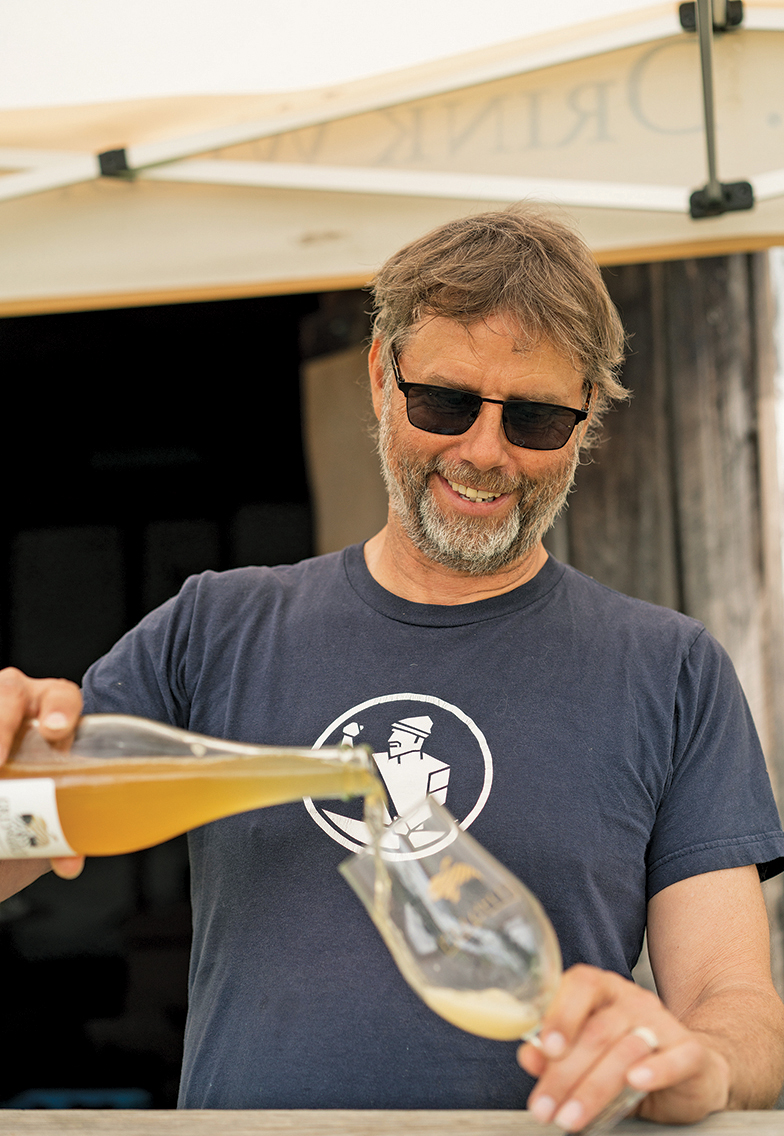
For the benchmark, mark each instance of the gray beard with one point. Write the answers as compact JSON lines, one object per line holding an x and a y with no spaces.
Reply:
{"x":475,"y":546}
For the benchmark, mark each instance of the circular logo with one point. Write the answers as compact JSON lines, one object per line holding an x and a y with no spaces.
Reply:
{"x":422,"y":746}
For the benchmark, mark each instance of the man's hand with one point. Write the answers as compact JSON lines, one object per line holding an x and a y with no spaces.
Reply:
{"x":57,"y":704}
{"x":603,"y":1033}
{"x":715,"y":1038}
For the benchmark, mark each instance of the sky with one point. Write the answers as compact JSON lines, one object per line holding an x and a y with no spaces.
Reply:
{"x":60,"y":52}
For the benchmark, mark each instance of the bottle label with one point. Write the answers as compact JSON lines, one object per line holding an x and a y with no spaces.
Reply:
{"x":29,"y":822}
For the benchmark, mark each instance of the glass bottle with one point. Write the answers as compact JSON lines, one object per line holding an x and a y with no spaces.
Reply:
{"x":126,"y":783}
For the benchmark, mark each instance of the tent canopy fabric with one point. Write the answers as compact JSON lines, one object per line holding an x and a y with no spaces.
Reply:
{"x":240,"y":195}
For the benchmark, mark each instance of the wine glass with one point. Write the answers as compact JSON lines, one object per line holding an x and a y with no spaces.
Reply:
{"x":466,"y":934}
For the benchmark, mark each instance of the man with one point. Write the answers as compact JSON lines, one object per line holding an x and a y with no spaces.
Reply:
{"x":598,"y":746}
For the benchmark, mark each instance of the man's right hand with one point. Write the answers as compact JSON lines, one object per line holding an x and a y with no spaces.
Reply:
{"x":57,"y":704}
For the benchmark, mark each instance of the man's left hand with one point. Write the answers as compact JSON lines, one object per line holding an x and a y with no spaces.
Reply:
{"x":603,"y":1033}
{"x":714,"y":1039}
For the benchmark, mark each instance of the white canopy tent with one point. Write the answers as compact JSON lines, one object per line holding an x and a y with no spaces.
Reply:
{"x":234,"y":195}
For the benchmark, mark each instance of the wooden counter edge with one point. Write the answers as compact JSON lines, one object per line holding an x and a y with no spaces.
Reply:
{"x":343,"y":1122}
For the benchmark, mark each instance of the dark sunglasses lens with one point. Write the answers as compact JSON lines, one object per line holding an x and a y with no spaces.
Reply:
{"x":538,"y":426}
{"x":440,"y":410}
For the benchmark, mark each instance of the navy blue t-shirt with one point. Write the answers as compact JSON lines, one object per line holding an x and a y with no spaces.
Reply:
{"x":598,"y":746}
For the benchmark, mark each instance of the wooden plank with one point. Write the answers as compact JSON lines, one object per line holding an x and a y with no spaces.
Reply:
{"x":620,"y":520}
{"x":116,"y":1122}
{"x":681,"y":250}
{"x":713,"y":399}
{"x":768,"y":278}
{"x":99,"y":301}
{"x":768,"y":284}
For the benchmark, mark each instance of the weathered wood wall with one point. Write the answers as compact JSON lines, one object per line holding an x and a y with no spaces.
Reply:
{"x":681,"y":504}
{"x":678,"y":506}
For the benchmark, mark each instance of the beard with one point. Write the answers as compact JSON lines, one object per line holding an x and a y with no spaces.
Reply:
{"x":476,"y":546}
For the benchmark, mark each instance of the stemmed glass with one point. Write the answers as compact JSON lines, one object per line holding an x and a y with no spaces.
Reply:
{"x":466,"y":934}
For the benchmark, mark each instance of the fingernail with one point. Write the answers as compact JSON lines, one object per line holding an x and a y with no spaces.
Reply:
{"x":68,"y":867}
{"x":543,"y":1109}
{"x":570,"y":1117}
{"x":640,"y":1077}
{"x":554,"y":1044}
{"x":55,"y":721}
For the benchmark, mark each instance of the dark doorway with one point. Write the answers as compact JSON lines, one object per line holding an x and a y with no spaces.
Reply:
{"x":140,"y":445}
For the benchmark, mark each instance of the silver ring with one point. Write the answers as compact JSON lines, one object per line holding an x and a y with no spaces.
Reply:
{"x":648,"y":1036}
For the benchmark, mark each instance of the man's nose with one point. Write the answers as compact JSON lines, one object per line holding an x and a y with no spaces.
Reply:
{"x":485,"y":444}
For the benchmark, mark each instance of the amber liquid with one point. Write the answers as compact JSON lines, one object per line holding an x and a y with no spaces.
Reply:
{"x":490,"y":1013}
{"x":122,"y":805}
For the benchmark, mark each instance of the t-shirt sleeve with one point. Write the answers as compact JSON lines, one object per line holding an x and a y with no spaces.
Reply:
{"x":717,"y":810}
{"x":145,"y":673}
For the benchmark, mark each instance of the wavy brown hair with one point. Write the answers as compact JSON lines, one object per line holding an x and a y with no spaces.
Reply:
{"x":519,"y":263}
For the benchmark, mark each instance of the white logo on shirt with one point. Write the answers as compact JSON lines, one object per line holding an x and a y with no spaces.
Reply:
{"x":425,"y":747}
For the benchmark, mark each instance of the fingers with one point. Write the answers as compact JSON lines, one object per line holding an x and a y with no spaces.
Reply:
{"x":574,"y":1094}
{"x":56,"y":703}
{"x":595,"y":1007}
{"x":13,"y":703}
{"x":584,"y":991}
{"x":696,"y":1079}
{"x":67,"y":867}
{"x":597,"y":1039}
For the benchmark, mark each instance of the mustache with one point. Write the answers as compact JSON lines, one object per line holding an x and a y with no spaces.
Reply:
{"x":491,"y":481}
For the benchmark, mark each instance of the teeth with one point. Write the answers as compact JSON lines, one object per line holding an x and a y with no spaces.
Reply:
{"x":473,"y":494}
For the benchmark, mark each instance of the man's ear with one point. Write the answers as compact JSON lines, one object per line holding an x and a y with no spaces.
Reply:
{"x":376,"y":372}
{"x":583,"y":429}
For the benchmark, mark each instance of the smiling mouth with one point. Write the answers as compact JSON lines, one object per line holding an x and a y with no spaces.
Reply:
{"x":470,"y":494}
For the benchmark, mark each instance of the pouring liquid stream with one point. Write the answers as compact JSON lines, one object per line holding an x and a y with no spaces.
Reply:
{"x":375,"y":813}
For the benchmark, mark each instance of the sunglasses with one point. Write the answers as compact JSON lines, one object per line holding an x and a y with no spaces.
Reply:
{"x":445,"y":410}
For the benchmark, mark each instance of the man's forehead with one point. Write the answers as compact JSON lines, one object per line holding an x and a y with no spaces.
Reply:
{"x":437,"y":340}
{"x":501,"y":324}
{"x":438,"y":336}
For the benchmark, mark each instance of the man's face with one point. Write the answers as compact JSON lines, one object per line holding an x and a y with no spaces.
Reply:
{"x":432,"y":478}
{"x":401,"y":741}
